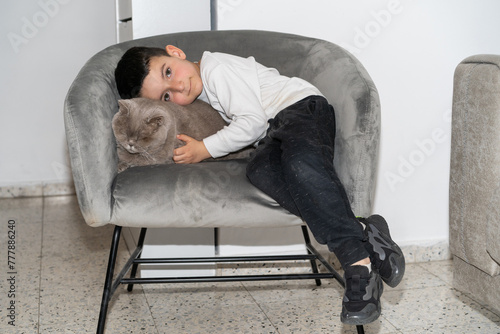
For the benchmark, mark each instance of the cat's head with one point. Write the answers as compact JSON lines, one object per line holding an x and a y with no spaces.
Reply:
{"x":138,"y":128}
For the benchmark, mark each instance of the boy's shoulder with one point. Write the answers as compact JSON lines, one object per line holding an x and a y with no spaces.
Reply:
{"x":236,"y":72}
{"x":214,"y":59}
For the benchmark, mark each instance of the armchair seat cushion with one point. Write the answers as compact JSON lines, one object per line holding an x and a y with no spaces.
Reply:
{"x":196,"y":195}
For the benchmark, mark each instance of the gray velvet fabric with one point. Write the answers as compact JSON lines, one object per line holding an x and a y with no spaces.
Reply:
{"x":163,"y":196}
{"x":477,"y":283}
{"x":475,"y":173}
{"x":202,"y":195}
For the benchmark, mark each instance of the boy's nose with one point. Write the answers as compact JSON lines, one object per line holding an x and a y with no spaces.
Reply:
{"x":178,"y":86}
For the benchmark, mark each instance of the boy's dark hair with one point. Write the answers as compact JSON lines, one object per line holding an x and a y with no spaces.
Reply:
{"x":133,"y":67}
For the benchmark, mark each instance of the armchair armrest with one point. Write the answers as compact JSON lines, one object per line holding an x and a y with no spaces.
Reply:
{"x":475,"y":163}
{"x":90,"y":105}
{"x":352,"y":93}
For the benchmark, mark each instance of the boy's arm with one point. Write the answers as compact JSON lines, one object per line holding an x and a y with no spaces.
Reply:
{"x":194,"y":151}
{"x":235,"y":91}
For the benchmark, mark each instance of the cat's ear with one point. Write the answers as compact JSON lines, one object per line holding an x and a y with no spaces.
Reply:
{"x":157,"y":121}
{"x":124,"y":105}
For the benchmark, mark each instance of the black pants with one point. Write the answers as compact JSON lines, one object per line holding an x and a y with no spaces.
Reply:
{"x":294,"y":165}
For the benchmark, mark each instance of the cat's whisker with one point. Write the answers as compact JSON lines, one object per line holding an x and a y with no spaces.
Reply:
{"x":148,"y":156}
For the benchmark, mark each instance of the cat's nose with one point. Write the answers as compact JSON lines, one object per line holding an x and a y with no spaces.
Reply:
{"x":130,"y":147}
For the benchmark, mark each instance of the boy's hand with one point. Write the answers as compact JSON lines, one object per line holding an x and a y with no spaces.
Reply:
{"x":194,"y":151}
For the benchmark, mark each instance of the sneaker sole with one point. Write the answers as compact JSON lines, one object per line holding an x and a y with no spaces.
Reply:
{"x":361,"y":318}
{"x":380,"y":230}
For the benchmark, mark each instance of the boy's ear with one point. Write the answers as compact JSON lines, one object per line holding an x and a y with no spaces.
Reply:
{"x":174,"y":51}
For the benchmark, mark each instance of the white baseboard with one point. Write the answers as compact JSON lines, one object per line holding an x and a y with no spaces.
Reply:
{"x":426,"y":250}
{"x":37,"y":189}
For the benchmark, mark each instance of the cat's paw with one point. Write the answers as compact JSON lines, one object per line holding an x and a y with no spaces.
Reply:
{"x":122,"y":166}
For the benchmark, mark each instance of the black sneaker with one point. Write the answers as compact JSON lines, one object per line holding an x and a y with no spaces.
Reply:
{"x":361,"y":303}
{"x":385,"y":255}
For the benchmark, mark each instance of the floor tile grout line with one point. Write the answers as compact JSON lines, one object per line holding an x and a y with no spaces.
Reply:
{"x":458,"y":293}
{"x":389,"y":322}
{"x":258,"y":304}
{"x":277,"y":329}
{"x":149,"y":308}
{"x":470,"y":296}
{"x":41,"y":266}
{"x":129,"y":253}
{"x":260,"y":308}
{"x":422,"y":266}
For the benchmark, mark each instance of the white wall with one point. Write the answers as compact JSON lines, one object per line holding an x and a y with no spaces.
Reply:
{"x":410,"y":48}
{"x":44,"y":43}
{"x":147,"y":22}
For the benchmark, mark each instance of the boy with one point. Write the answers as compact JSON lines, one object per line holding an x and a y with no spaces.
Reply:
{"x":294,"y":127}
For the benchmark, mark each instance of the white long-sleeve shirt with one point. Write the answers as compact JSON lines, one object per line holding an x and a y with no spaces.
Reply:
{"x":246,"y":94}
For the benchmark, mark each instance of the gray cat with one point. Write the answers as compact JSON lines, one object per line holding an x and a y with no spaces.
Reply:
{"x":146,"y":130}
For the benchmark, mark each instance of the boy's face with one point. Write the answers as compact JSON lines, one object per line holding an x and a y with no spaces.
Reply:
{"x":172,"y":78}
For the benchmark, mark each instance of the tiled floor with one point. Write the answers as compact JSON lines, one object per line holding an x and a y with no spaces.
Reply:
{"x":58,"y":265}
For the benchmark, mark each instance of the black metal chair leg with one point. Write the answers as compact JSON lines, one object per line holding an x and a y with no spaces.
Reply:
{"x":314,"y":267}
{"x":307,"y":240}
{"x":133,"y":262}
{"x":140,"y":244}
{"x":106,"y":295}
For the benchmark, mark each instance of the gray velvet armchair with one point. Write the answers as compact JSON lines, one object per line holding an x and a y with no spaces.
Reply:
{"x":475,"y":178}
{"x":214,"y":194}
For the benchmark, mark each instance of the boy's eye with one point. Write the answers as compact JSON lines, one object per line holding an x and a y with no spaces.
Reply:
{"x":168,"y":72}
{"x":166,"y":97}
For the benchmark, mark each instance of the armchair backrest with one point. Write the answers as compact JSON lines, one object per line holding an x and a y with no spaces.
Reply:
{"x":92,"y":101}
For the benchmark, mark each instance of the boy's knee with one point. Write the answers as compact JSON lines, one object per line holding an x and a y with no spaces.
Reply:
{"x":305,"y":168}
